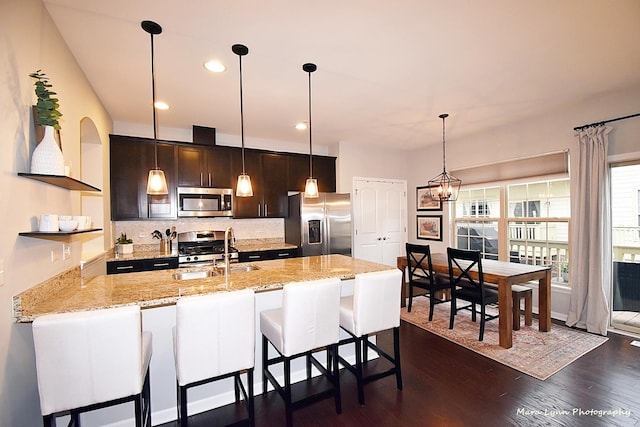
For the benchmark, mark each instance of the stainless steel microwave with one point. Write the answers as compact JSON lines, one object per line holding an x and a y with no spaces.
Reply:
{"x":205,"y":202}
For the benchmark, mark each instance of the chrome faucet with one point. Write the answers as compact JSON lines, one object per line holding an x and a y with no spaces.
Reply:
{"x":228,"y":234}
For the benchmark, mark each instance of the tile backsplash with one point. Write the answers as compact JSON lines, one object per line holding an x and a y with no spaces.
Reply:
{"x":263,"y":228}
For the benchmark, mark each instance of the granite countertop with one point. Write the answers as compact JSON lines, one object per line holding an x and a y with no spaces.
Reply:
{"x":70,"y":292}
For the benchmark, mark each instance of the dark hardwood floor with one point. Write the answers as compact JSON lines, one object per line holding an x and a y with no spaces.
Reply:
{"x":448,"y":385}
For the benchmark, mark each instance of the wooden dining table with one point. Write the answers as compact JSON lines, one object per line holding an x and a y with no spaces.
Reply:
{"x":504,"y":274}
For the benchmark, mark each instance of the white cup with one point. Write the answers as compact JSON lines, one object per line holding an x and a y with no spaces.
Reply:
{"x":48,"y":222}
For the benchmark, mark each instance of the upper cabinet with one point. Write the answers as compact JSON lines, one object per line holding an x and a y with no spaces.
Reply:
{"x":324,"y":169}
{"x":204,"y":166}
{"x":268,"y":172}
{"x":130,"y":161}
{"x":272,"y":174}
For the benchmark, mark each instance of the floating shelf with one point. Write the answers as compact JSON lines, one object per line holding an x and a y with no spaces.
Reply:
{"x":46,"y":234}
{"x":60,"y":181}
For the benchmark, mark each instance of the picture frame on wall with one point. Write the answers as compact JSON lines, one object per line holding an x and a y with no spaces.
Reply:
{"x":429,"y":227}
{"x":424,"y":201}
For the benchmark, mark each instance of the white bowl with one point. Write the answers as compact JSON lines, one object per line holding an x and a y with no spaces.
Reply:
{"x":67,"y":225}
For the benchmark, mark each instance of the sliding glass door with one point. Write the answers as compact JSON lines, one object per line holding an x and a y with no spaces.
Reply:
{"x":625,"y":220}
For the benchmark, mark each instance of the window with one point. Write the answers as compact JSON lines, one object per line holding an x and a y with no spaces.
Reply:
{"x":477,"y":229}
{"x":524,"y":222}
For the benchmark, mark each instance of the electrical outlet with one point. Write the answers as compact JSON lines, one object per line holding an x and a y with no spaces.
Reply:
{"x":66,"y":251}
{"x":1,"y":272}
{"x":54,"y":256}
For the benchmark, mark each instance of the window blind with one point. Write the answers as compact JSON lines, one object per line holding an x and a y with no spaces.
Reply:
{"x":537,"y":166}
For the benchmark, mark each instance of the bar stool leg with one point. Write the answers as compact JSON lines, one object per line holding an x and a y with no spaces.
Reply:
{"x":265,"y":352}
{"x":287,"y":392}
{"x":396,"y":350}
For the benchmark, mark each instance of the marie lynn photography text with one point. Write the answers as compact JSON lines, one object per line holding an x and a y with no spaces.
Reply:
{"x":575,"y":412}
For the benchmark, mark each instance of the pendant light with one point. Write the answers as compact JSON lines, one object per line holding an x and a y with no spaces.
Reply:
{"x":243,"y":188}
{"x":311,"y":186}
{"x":444,"y":187}
{"x":157,"y":183}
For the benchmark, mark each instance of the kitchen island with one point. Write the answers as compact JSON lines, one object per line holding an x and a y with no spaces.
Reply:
{"x":157,"y":292}
{"x":70,"y":292}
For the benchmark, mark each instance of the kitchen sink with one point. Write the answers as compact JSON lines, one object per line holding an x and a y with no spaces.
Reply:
{"x":216,"y":271}
{"x":189,"y":275}
{"x":237,"y":268}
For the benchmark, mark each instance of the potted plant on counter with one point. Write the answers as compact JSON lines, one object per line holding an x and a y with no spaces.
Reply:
{"x":47,"y":157}
{"x":124,"y":244}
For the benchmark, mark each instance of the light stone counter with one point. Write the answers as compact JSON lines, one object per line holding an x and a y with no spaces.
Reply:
{"x":69,"y":292}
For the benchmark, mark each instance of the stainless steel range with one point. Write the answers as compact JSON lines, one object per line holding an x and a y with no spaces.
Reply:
{"x":196,"y":248}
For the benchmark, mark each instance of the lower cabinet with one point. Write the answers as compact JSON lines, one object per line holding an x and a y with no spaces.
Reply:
{"x":267,"y":255}
{"x":150,"y":264}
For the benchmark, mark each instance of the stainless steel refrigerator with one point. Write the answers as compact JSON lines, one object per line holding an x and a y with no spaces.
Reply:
{"x":319,"y":226}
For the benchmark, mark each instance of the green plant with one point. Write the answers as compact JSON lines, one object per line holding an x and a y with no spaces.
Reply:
{"x":123,"y":239}
{"x":47,"y":113}
{"x":564,"y":267}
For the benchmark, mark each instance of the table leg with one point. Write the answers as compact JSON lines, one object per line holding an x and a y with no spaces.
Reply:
{"x":544,"y":302}
{"x":505,"y":313}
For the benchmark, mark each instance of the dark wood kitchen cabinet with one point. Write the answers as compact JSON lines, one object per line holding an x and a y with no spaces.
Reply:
{"x":324,"y":170}
{"x":268,"y":254}
{"x":204,"y":166}
{"x":268,"y":172}
{"x":135,"y":265}
{"x":131,"y":159}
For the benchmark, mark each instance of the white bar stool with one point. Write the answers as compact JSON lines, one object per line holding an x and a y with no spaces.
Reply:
{"x":214,"y":338}
{"x":373,"y":307}
{"x":307,"y":322}
{"x":90,"y":360}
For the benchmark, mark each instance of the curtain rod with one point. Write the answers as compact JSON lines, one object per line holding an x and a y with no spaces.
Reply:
{"x":605,"y":121}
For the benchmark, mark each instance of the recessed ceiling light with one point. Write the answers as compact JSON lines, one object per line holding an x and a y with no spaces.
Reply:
{"x":215,"y":66}
{"x":302,"y":126}
{"x":161,"y":105}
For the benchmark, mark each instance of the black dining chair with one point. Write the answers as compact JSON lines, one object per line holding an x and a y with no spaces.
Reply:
{"x":421,"y":276}
{"x":465,"y":287}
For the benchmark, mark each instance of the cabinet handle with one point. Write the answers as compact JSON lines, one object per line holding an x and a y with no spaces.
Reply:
{"x":379,"y":238}
{"x":283,"y":254}
{"x":254,"y":257}
{"x":209,"y":179}
{"x":201,"y":179}
{"x":161,"y":264}
{"x":259,"y":209}
{"x":265,"y":210}
{"x":124,"y":267}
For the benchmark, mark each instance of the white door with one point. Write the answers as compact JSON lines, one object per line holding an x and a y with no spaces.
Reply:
{"x":379,"y":210}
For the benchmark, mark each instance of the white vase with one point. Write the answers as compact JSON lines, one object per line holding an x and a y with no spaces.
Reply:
{"x":47,"y":157}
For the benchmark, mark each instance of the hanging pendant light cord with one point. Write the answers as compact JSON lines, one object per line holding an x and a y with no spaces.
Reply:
{"x":153,"y":104}
{"x":444,"y":166}
{"x":310,"y":133}
{"x":241,"y":115}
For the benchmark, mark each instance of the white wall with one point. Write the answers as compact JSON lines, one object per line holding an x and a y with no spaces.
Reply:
{"x":30,"y":41}
{"x":368,"y":162}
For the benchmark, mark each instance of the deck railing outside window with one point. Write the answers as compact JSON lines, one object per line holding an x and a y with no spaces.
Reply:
{"x":523,"y":222}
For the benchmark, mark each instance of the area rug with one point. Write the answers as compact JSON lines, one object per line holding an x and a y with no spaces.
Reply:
{"x":535,"y":353}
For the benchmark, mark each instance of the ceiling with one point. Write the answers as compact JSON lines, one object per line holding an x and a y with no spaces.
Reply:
{"x":385,"y":72}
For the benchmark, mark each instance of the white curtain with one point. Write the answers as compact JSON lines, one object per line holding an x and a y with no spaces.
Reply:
{"x":590,"y":258}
